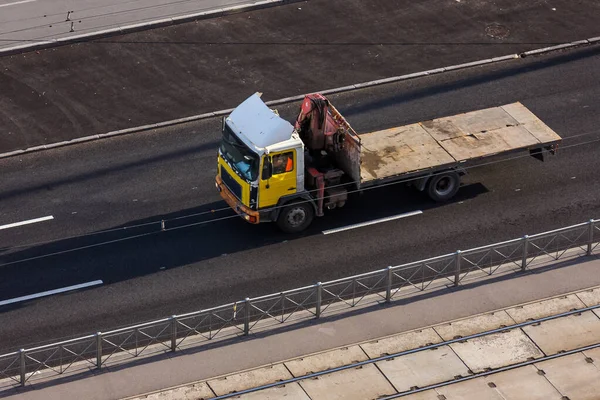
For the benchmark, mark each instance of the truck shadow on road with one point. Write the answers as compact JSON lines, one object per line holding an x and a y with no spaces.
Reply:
{"x":143,"y":247}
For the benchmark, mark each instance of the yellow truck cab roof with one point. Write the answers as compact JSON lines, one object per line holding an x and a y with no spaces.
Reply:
{"x":259,"y":127}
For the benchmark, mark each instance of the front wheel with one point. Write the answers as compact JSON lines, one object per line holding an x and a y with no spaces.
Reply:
{"x":296,"y":217}
{"x":443,"y":186}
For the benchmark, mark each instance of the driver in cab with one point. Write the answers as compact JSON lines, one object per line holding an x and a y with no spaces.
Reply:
{"x":282,"y":163}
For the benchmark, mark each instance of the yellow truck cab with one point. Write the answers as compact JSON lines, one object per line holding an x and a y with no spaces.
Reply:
{"x":261,"y":164}
{"x":270,"y":170}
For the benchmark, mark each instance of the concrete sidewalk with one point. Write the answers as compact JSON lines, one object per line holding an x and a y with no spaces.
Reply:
{"x":421,"y":310}
{"x":462,"y":359}
{"x":27,"y":22}
{"x":147,"y":77}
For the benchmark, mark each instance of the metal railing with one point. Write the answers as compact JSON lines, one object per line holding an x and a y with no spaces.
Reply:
{"x":240,"y":318}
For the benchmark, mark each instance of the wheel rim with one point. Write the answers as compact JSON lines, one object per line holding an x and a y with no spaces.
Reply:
{"x":296,"y":217}
{"x":444,"y":186}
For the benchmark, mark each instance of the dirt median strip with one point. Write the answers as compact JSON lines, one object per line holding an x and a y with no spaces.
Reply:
{"x":107,"y":85}
{"x":300,"y":97}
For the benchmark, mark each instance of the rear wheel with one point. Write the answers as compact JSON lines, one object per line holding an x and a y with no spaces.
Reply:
{"x":443,"y":187}
{"x":296,"y":217}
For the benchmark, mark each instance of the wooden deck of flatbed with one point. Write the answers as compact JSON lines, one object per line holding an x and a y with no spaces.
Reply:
{"x":405,"y":150}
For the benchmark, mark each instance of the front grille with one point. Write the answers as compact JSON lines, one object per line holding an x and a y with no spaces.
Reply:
{"x":231,"y":184}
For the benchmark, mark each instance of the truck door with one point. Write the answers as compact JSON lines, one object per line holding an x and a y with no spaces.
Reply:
{"x":283,"y":180}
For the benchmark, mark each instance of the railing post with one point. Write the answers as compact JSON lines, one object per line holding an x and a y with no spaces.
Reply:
{"x":22,"y":366}
{"x":246,"y":316}
{"x":319,"y":289}
{"x":457,"y":270}
{"x":590,"y":238}
{"x":388,"y":284}
{"x":173,"y":333}
{"x":61,"y":349}
{"x":525,"y":252}
{"x":98,"y":350}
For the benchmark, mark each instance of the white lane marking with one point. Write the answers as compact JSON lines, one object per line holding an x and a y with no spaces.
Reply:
{"x":16,"y":2}
{"x":31,"y":221}
{"x":51,"y":292}
{"x":375,"y":221}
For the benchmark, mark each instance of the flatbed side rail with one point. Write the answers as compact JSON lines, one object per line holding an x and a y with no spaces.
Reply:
{"x":342,"y":121}
{"x":350,"y":157}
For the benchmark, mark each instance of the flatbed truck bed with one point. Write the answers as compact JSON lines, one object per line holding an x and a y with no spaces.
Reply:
{"x":443,"y":142}
{"x":273,"y":171}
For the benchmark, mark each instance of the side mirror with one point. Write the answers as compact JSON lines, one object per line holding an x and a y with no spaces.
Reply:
{"x":267,"y":171}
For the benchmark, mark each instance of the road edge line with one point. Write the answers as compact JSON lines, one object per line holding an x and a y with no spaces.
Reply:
{"x":51,"y":292}
{"x":26,"y":222}
{"x":371,"y":222}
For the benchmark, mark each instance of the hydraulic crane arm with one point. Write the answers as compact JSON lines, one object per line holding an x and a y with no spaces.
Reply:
{"x":318,"y":126}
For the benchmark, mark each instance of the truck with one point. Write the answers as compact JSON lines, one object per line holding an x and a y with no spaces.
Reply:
{"x":272,"y":171}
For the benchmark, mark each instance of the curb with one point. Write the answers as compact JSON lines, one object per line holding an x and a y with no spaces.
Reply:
{"x":157,"y":23}
{"x":579,"y":43}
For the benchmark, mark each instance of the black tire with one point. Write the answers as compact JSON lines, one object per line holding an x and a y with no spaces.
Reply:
{"x":442,"y":187}
{"x":296,"y":217}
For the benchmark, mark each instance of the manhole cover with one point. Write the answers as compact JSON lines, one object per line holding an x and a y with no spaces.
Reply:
{"x":497,"y":31}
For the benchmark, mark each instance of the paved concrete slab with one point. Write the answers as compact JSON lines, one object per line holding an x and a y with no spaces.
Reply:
{"x":594,"y":355}
{"x":564,"y":334}
{"x":475,"y":389}
{"x":573,"y":376}
{"x":523,"y":383}
{"x":545,"y":308}
{"x":590,"y":297}
{"x":497,"y":350}
{"x":190,"y":392}
{"x":327,"y":360}
{"x":426,"y":395}
{"x":292,"y":391}
{"x":249,"y":379}
{"x":477,"y":324}
{"x":402,"y":342}
{"x":358,"y":383}
{"x":423,"y":368}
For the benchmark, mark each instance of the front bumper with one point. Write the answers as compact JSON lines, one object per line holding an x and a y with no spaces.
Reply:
{"x":246,"y":213}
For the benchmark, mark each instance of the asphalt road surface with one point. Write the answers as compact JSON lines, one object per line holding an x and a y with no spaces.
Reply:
{"x":146,"y":77}
{"x":168,"y":175}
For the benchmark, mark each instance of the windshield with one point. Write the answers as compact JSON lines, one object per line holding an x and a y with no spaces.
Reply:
{"x":241,"y":157}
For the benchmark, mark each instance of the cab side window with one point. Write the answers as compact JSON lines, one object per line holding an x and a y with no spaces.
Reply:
{"x":283,"y":163}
